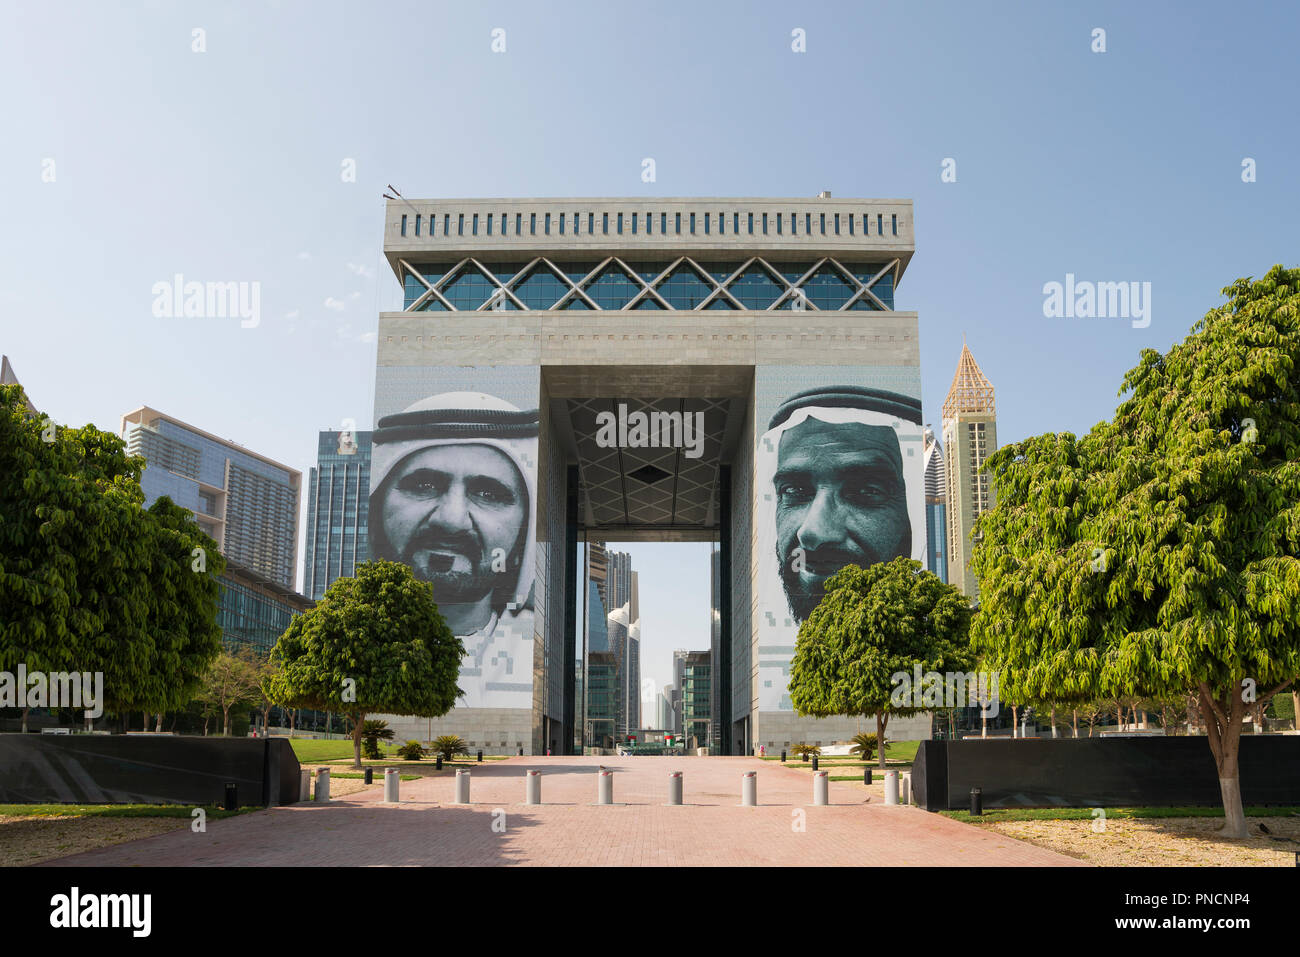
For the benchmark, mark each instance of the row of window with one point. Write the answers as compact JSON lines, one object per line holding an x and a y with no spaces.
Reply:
{"x":765,"y":224}
{"x":760,"y":286}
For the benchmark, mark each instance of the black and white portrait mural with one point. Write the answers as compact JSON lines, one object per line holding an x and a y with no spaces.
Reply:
{"x":453,"y":492}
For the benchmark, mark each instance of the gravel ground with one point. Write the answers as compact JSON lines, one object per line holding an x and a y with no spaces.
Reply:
{"x":29,"y":840}
{"x":1175,"y":841}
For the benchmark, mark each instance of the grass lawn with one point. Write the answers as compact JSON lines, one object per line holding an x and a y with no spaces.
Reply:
{"x":115,"y":810}
{"x":896,"y":752}
{"x":995,"y":815}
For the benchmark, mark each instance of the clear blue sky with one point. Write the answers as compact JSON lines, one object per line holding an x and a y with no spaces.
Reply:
{"x":225,"y":165}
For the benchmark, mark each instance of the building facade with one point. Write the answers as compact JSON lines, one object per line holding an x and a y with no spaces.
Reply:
{"x":936,"y":510}
{"x":645,"y":370}
{"x":338,"y":508}
{"x":254,"y":611}
{"x":970,"y":436}
{"x":246,"y":502}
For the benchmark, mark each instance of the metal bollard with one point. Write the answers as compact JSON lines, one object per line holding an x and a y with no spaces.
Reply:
{"x":438,"y":766}
{"x":814,"y":762}
{"x":674,"y":787}
{"x":322,"y":784}
{"x":370,"y":775}
{"x":304,"y":784}
{"x":891,"y":787}
{"x":521,"y":752}
{"x":749,"y":789}
{"x":232,"y":798}
{"x":462,"y":787}
{"x":905,"y":788}
{"x":532,"y":787}
{"x":866,"y":775}
{"x":392,"y":780}
{"x":783,"y":755}
{"x":480,"y":757}
{"x":821,"y":787}
{"x":976,"y":802}
{"x":604,"y":787}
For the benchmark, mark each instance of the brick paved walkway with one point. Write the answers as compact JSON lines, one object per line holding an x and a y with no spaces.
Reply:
{"x":710,"y":829}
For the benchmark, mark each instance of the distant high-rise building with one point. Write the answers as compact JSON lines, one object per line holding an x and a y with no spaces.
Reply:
{"x":624,"y":637}
{"x":969,"y":438}
{"x":338,"y":509}
{"x":693,"y":676}
{"x":245,"y":501}
{"x":936,"y":517}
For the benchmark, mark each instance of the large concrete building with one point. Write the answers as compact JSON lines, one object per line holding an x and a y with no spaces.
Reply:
{"x":569,"y":370}
{"x":246,"y":502}
{"x":970,"y":436}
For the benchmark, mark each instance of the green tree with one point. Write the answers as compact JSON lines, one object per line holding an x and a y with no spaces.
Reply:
{"x":872,"y":624}
{"x":232,"y":681}
{"x":90,"y":580}
{"x":1157,"y":555}
{"x":375,"y":643}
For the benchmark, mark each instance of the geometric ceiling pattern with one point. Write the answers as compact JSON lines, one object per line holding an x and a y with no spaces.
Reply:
{"x":682,"y":283}
{"x":648,"y":487}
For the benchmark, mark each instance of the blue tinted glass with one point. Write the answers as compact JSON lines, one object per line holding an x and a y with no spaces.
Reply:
{"x":403,"y":224}
{"x":413,"y":289}
{"x":648,"y":303}
{"x":756,"y":289}
{"x":827,"y":289}
{"x":541,"y":290}
{"x":684,"y":289}
{"x":469,"y":289}
{"x":612,"y":289}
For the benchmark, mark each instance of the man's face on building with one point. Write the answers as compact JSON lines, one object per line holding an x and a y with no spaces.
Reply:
{"x":840,"y":500}
{"x":455,"y":514}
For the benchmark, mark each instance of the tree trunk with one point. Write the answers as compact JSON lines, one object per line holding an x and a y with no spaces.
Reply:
{"x":25,"y":710}
{"x":293,"y":720}
{"x":1223,"y":725}
{"x":225,"y":721}
{"x":158,"y":726}
{"x":359,"y":721}
{"x":881,"y":720}
{"x":1295,"y":710}
{"x":1015,"y":720}
{"x":1053,"y":720}
{"x":1076,"y":722}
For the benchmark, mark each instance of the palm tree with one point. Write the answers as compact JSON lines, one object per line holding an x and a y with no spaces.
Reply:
{"x":371,"y":732}
{"x":864,"y":745}
{"x":449,"y":745}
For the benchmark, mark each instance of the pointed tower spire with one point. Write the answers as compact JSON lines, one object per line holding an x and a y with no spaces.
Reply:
{"x":971,"y":390}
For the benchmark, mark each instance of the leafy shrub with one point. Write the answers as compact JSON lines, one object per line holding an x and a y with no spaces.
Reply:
{"x":449,"y":745}
{"x":411,"y":751}
{"x":371,"y":732}
{"x":811,"y":750}
{"x":864,"y":745}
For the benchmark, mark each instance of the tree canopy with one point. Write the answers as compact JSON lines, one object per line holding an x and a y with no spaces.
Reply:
{"x":374,"y":644}
{"x":91,"y":581}
{"x":872,"y":624}
{"x":1158,"y":554}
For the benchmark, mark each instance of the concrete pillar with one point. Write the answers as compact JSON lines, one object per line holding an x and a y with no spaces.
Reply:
{"x":749,"y":789}
{"x":604,"y":787}
{"x":674,"y":787}
{"x":462,"y":787}
{"x":304,"y":784}
{"x":392,"y":780}
{"x":532,"y":787}
{"x":821,"y":787}
{"x":891,"y":787}
{"x":905,"y":788}
{"x":322,"y":785}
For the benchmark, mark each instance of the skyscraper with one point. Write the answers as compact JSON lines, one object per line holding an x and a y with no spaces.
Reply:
{"x":246,"y":502}
{"x":936,"y":517}
{"x":338,"y":508}
{"x":624,"y":637}
{"x":969,"y":438}
{"x":9,"y":377}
